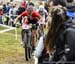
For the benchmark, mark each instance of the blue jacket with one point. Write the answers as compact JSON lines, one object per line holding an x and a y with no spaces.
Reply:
{"x":71,"y":11}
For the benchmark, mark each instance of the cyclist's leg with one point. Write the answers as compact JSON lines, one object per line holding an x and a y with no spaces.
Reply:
{"x":33,"y":37}
{"x":43,"y":28}
{"x":37,"y":35}
{"x":33,"y":41}
{"x":34,"y":33}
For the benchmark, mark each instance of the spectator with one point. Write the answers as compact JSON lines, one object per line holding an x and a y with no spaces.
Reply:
{"x":70,"y":5}
{"x":4,"y":8}
{"x":40,"y":49}
{"x":7,"y":7}
{"x":52,"y":37}
{"x":46,"y":7}
{"x":24,"y":4}
{"x":1,"y":9}
{"x":29,"y":1}
{"x":1,"y":13}
{"x":19,"y":11}
{"x":57,"y":2}
{"x":15,"y":9}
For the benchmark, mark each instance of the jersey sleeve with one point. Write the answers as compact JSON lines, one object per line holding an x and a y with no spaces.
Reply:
{"x":24,"y":13}
{"x":36,"y":14}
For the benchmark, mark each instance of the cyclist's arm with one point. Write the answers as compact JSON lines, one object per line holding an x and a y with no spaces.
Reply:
{"x":23,"y":14}
{"x":36,"y":15}
{"x":16,"y":20}
{"x":39,"y":18}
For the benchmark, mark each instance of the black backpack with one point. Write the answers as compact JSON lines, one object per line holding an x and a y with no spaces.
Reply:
{"x":62,"y":54}
{"x":67,"y":38}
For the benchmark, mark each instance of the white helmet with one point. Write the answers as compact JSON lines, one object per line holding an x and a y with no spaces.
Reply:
{"x":41,"y":8}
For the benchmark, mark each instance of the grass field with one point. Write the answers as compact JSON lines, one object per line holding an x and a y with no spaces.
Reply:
{"x":2,"y":28}
{"x":11,"y":51}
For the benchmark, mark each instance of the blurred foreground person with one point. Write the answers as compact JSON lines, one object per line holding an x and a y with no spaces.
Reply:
{"x":47,"y":44}
{"x":59,"y":43}
{"x":52,"y":4}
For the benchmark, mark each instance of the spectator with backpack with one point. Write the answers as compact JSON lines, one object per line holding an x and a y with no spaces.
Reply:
{"x":43,"y":51}
{"x":59,"y":44}
{"x":48,"y":49}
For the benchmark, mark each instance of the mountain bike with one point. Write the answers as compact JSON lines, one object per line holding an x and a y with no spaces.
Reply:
{"x":27,"y":43}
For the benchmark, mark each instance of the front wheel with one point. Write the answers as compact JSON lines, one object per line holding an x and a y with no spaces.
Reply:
{"x":25,"y":46}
